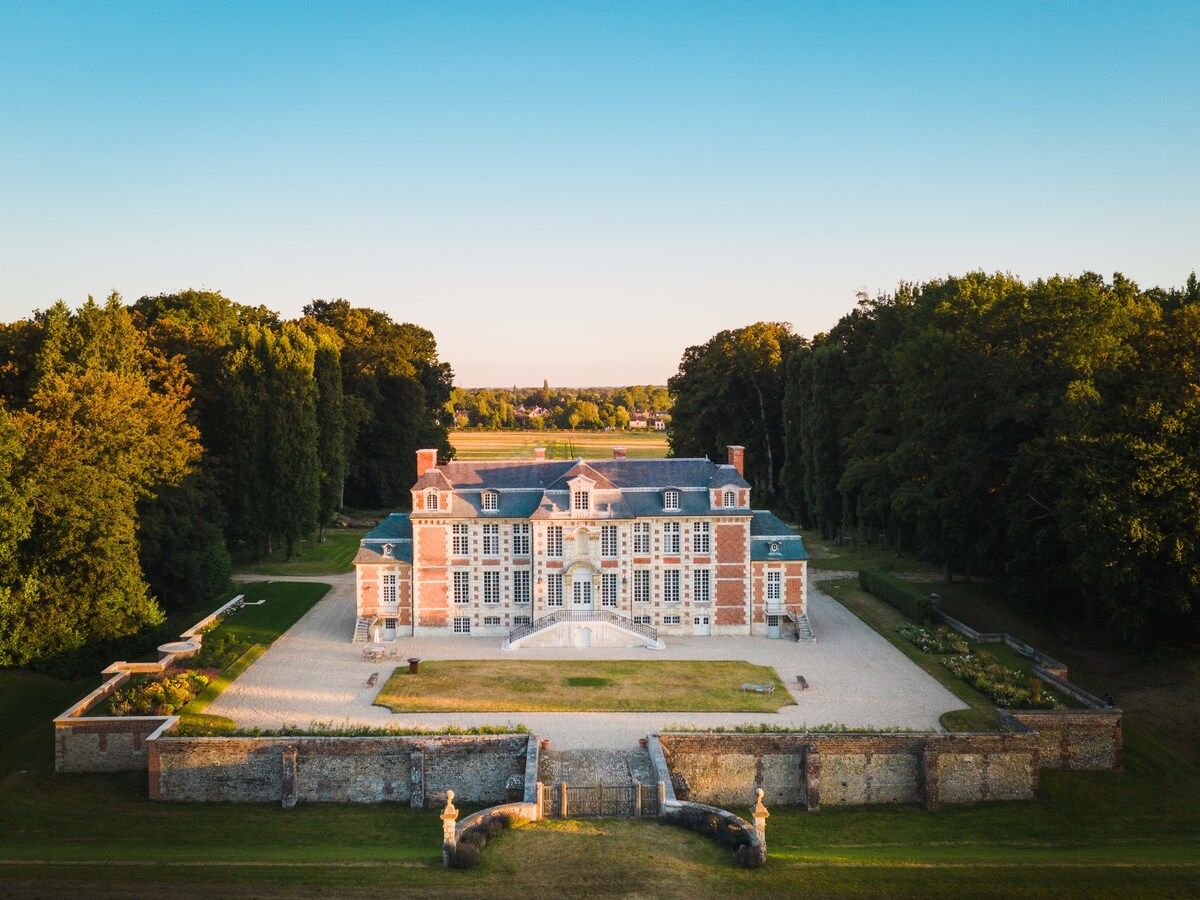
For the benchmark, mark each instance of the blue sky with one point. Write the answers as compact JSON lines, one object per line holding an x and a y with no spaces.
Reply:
{"x":575,"y":191}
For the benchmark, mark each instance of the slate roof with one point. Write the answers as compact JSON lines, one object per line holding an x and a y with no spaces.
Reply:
{"x":772,"y":538}
{"x":396,"y":531}
{"x":622,"y":488}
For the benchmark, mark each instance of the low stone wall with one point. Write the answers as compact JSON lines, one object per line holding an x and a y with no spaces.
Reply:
{"x":853,"y":769}
{"x":287,"y":770}
{"x":1080,"y":739}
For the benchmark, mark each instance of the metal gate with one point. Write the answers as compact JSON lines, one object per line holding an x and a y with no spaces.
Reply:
{"x":619,"y":801}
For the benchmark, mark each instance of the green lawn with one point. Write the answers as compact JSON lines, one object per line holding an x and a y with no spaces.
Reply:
{"x":558,"y":444}
{"x":331,"y":557}
{"x":582,"y":686}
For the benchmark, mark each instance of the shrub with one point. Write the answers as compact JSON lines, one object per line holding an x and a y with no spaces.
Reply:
{"x":942,"y":641}
{"x":1004,"y":686}
{"x":748,"y":856}
{"x":160,"y":696}
{"x":907,"y":598}
{"x":219,"y":652}
{"x":464,"y":856}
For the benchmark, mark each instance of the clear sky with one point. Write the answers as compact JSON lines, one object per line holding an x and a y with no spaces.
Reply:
{"x":578,"y":191}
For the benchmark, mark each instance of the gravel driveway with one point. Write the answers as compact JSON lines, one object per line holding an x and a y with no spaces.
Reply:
{"x":314,"y":674}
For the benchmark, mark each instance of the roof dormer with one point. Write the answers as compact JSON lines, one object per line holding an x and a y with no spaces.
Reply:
{"x":670,"y":500}
{"x":580,"y":488}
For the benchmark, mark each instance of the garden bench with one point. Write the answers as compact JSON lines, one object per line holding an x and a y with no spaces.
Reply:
{"x":803,"y":682}
{"x":374,"y":678}
{"x":759,"y":688}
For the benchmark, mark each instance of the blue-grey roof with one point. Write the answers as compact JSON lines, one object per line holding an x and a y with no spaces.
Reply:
{"x":396,"y":532}
{"x":772,"y":538}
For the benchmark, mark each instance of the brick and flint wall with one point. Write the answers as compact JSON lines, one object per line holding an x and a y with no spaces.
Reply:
{"x":412,"y":770}
{"x":853,"y":769}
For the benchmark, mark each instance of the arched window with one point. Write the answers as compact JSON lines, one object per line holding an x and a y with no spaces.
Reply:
{"x":491,"y":501}
{"x":431,"y":500}
{"x":730,"y":499}
{"x":670,"y":499}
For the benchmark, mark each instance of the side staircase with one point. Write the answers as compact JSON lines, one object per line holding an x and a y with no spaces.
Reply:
{"x":362,"y":630}
{"x":804,"y":630}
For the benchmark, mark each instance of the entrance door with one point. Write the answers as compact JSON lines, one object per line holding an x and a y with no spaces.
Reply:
{"x":701,"y":625}
{"x":772,"y":626}
{"x":583,"y":593}
{"x":389,"y":629}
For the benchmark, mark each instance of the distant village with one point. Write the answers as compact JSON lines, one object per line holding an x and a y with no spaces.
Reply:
{"x":636,"y":408}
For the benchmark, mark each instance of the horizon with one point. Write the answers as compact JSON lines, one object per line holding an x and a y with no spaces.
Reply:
{"x":652,"y":173}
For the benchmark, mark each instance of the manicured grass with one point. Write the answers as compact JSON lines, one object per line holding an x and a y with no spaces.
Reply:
{"x":332,"y":556}
{"x":558,"y":444}
{"x":583,"y":685}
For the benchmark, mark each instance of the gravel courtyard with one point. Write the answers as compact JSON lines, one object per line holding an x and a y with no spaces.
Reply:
{"x":314,"y":674}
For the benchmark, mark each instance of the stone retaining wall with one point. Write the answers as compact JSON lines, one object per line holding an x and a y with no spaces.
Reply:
{"x":287,"y":770}
{"x":853,"y":769}
{"x":1080,"y":739}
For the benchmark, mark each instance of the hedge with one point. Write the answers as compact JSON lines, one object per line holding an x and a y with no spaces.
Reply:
{"x":907,"y":598}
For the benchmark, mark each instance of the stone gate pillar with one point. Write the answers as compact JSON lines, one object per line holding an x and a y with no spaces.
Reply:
{"x":759,"y":813}
{"x":449,"y":826}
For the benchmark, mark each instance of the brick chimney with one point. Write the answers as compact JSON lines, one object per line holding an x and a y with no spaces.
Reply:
{"x":426,"y":460}
{"x":618,"y":452}
{"x":539,"y":452}
{"x":737,"y":457}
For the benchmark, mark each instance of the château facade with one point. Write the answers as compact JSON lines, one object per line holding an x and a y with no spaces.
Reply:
{"x":494,"y":545}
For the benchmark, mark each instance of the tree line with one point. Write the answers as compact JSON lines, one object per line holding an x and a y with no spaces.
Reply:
{"x":495,"y":409}
{"x":1044,"y":434}
{"x":140,"y":444}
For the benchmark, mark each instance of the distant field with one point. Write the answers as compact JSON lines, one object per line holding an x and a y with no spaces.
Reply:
{"x":558,"y":444}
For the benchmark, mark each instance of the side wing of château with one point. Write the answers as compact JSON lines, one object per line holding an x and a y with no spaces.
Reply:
{"x":492,"y":545}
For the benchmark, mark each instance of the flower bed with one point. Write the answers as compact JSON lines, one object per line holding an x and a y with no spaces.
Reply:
{"x":941,"y":641}
{"x":161,"y":695}
{"x":1003,"y":686}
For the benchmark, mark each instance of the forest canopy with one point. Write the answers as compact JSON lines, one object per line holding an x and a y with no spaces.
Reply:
{"x":1046,"y":434}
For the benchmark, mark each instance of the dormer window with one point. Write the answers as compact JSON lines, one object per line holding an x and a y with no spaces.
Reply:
{"x":491,"y":501}
{"x":389,"y":550}
{"x":581,"y":500}
{"x":431,"y":500}
{"x":670,"y":499}
{"x":730,"y":499}
{"x":774,"y":546}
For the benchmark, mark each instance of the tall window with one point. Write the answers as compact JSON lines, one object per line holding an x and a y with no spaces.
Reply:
{"x":389,"y":588}
{"x":641,"y":585}
{"x":491,"y":587}
{"x":608,"y":541}
{"x":491,"y":540}
{"x":608,"y":590}
{"x":462,"y":625}
{"x":701,"y":538}
{"x":670,"y":499}
{"x":520,"y":539}
{"x":702,"y":586}
{"x":520,"y":587}
{"x":554,"y":540}
{"x":730,"y":499}
{"x":671,"y":537}
{"x":671,"y":585}
{"x":462,"y":541}
{"x":554,"y":590}
{"x":641,"y":537}
{"x":581,"y":500}
{"x":431,"y":500}
{"x":462,"y":587}
{"x":491,"y":501}
{"x":582,"y":592}
{"x":774,"y":586}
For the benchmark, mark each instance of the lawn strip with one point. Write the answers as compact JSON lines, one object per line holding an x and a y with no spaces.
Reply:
{"x":583,"y":686}
{"x":332,"y":556}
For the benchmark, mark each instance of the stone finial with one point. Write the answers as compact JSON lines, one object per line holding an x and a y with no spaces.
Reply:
{"x":451,"y":811}
{"x":449,"y":832}
{"x":759,"y":810}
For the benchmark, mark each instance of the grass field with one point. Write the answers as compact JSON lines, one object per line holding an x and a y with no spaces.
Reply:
{"x":582,"y":686}
{"x":330,"y":557}
{"x":558,"y":444}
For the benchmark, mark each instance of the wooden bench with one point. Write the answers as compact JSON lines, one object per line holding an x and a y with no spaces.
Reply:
{"x":374,"y":678}
{"x":759,"y":688}
{"x":800,"y":680}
